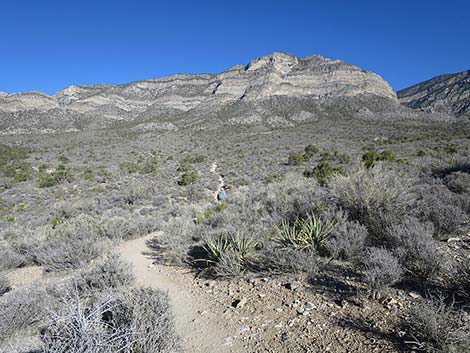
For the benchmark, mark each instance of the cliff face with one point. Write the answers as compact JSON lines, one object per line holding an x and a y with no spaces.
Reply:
{"x":447,"y":93}
{"x":241,"y":93}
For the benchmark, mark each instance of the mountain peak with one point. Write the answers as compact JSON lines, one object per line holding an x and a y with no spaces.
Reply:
{"x":278,"y":61}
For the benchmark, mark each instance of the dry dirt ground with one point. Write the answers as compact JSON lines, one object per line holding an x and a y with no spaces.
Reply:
{"x":275,"y":314}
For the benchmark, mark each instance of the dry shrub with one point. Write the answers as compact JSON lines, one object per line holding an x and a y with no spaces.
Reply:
{"x":114,"y":321}
{"x":374,"y":197}
{"x":437,"y":327}
{"x":381,"y":270}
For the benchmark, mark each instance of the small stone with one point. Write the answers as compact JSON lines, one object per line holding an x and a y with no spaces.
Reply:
{"x":228,"y":341}
{"x":414,"y":295}
{"x":453,"y":240}
{"x":238,"y":303}
{"x":294,"y":286}
{"x":310,"y":306}
{"x":244,"y":328}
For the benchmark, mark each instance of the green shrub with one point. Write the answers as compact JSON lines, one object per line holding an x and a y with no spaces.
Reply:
{"x":310,"y":151}
{"x":188,"y":177}
{"x":295,"y":159}
{"x":88,"y":174}
{"x":129,"y":167}
{"x":149,"y":166}
{"x":60,"y":175}
{"x":193,"y":160}
{"x":370,"y":157}
{"x":323,"y":172}
{"x":221,"y":206}
{"x":62,"y":159}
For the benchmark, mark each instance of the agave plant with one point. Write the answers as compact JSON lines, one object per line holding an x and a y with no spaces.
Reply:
{"x":305,"y":232}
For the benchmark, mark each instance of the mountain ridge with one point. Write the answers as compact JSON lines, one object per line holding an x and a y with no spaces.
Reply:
{"x":249,"y":94}
{"x":448,"y":93}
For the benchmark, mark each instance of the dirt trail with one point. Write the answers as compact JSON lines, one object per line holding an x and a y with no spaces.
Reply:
{"x":220,"y":182}
{"x":200,"y":329}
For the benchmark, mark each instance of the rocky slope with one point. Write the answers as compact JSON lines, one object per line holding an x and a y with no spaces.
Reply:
{"x":447,"y":93}
{"x":276,"y":90}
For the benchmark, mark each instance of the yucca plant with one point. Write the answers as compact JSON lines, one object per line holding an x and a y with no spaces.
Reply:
{"x":215,"y":247}
{"x":228,"y":253}
{"x":244,"y":246}
{"x":305,"y":232}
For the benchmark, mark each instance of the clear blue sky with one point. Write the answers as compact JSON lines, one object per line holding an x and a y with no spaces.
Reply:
{"x":48,"y":45}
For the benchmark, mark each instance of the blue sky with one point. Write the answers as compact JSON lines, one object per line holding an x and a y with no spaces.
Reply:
{"x":48,"y":45}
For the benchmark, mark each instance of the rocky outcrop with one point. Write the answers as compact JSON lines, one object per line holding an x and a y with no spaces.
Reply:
{"x":447,"y":93}
{"x":241,"y":94}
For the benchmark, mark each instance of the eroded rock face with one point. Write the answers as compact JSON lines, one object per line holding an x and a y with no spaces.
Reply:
{"x":241,"y":94}
{"x":446,"y":94}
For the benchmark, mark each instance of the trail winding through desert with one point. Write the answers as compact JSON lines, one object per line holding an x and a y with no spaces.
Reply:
{"x":220,"y":180}
{"x":200,"y":329}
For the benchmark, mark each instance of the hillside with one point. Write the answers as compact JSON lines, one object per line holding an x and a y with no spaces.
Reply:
{"x":275,"y":90}
{"x":446,"y":94}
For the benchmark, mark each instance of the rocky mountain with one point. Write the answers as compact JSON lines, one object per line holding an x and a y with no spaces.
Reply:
{"x":447,"y":93}
{"x":275,"y":90}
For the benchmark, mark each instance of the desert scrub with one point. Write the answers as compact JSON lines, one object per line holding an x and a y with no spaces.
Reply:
{"x":310,"y":151}
{"x":461,"y":279}
{"x":437,"y":327}
{"x":279,"y":260}
{"x":370,"y":158}
{"x":62,"y":174}
{"x":4,"y":283}
{"x":374,"y":197}
{"x":438,"y":205}
{"x":347,"y":240}
{"x":295,"y":159}
{"x":303,"y":233}
{"x":113,"y":321}
{"x":413,"y":244}
{"x":129,"y":167}
{"x":229,"y":254}
{"x":70,"y":245}
{"x":323,"y":171}
{"x":194,"y":159}
{"x":188,"y":177}
{"x":110,"y":272}
{"x":10,"y":259}
{"x":381,"y":270}
{"x":20,"y":308}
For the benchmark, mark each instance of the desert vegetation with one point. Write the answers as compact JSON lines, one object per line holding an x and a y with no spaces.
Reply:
{"x":300,"y":204}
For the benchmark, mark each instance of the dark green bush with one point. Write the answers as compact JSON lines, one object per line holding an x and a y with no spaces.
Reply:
{"x":323,"y":172}
{"x":371,"y":157}
{"x":188,"y":177}
{"x":310,"y":151}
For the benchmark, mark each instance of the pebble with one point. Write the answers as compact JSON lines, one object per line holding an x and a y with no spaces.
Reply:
{"x":238,"y":303}
{"x":294,"y":286}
